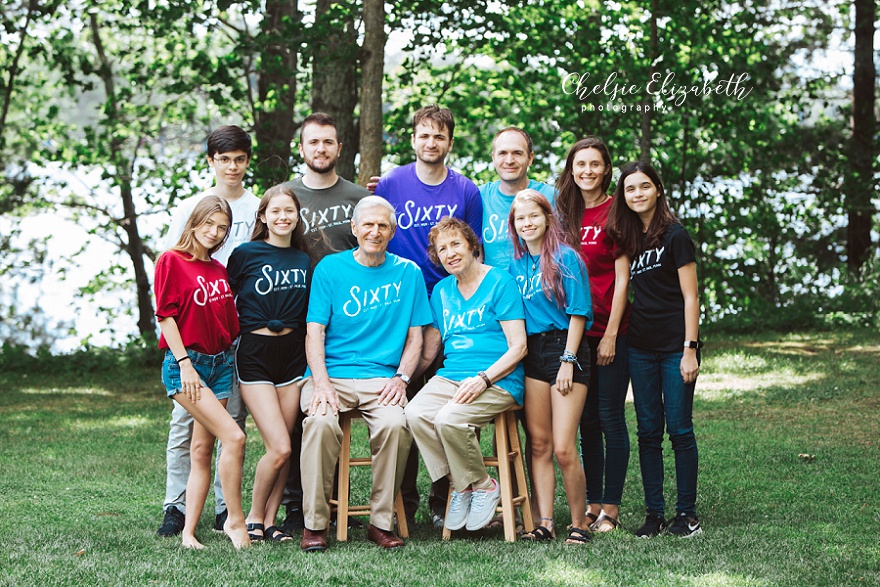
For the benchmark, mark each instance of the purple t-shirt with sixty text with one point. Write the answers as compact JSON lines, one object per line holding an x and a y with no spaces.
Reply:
{"x":420,"y":206}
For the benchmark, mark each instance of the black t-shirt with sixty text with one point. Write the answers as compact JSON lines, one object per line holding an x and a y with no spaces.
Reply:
{"x":657,"y":319}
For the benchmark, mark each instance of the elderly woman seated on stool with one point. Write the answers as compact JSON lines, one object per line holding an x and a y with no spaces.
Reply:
{"x":478,"y":317}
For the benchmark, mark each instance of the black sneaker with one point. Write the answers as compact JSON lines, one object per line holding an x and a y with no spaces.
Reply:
{"x":653,"y":526}
{"x":219,"y":520}
{"x":172,"y":523}
{"x":685,"y":525}
{"x":293,"y":522}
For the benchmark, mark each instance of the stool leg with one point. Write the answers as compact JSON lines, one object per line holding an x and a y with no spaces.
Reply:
{"x":503,"y":447}
{"x":400,"y":514}
{"x":447,"y":533}
{"x":344,"y":476}
{"x":520,"y":470}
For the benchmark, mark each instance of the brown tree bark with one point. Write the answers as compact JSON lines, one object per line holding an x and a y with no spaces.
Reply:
{"x":647,"y":112}
{"x":13,"y":70}
{"x":276,"y":90}
{"x":334,"y":74}
{"x":372,"y":74}
{"x":860,"y":185}
{"x":122,"y":176}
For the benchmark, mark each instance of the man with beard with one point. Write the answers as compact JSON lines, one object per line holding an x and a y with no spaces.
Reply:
{"x":328,"y":202}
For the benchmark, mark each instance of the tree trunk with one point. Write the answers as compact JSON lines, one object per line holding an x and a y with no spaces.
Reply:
{"x":647,"y":104}
{"x":860,"y":187}
{"x":334,"y":74}
{"x":134,"y":247}
{"x":372,"y":73}
{"x":276,"y":90}
{"x":13,"y":70}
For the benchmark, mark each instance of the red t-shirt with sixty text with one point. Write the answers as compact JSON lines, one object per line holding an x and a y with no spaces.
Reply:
{"x":197,"y":295}
{"x":597,"y":250}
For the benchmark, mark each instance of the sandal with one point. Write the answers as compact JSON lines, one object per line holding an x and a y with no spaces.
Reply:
{"x":275,"y":534}
{"x":578,"y":536}
{"x":591,"y":519}
{"x":539,"y":534}
{"x":255,"y":537}
{"x":605,"y":523}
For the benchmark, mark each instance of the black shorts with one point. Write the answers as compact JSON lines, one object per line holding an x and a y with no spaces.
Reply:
{"x":545,"y":348}
{"x":271,"y":360}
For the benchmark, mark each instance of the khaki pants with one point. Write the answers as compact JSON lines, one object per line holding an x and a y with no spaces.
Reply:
{"x":390,"y":441}
{"x":446,"y":433}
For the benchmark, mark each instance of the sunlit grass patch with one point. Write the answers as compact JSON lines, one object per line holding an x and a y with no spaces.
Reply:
{"x":55,"y":391}
{"x":119,"y":422}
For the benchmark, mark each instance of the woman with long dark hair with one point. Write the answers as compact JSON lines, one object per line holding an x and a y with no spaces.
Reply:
{"x":196,"y":313}
{"x":553,"y":281}
{"x":270,"y":275}
{"x":664,"y":357}
{"x":583,"y":203}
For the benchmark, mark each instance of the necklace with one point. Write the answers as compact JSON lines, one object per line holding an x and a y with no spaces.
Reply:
{"x":532,"y":259}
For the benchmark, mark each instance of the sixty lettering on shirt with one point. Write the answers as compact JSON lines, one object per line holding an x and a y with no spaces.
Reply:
{"x":463,"y":322}
{"x":648,"y":260}
{"x":367,"y":300}
{"x":590,"y":235}
{"x":529,"y":286}
{"x":316,"y":220}
{"x":495,"y":229}
{"x":280,"y":280}
{"x":211,"y":291}
{"x":415,"y":215}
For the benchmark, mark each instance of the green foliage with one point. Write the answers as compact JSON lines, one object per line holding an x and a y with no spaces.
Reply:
{"x":86,"y":361}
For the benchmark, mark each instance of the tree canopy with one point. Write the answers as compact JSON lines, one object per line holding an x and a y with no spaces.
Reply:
{"x":770,"y":160}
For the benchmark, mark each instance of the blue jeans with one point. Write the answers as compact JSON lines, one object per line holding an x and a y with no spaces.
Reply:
{"x":661,"y":396}
{"x":216,"y":372}
{"x":605,"y":463}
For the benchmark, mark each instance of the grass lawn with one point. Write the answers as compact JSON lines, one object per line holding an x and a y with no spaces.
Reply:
{"x":787,"y":427}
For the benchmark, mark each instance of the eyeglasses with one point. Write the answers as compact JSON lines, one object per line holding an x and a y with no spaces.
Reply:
{"x":225,"y":161}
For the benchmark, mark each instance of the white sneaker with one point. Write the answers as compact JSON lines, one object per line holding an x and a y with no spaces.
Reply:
{"x":459,"y":508}
{"x":483,"y":504}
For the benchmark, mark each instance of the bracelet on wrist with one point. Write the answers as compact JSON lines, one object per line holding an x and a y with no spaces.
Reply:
{"x":570,"y":357}
{"x":484,"y":377}
{"x":183,"y":358}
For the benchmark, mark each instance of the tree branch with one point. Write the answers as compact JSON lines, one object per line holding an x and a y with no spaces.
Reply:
{"x":13,"y":70}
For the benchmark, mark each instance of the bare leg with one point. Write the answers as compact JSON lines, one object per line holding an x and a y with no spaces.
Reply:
{"x":566,"y":410}
{"x":215,"y":422}
{"x":201,"y":453}
{"x":274,"y":411}
{"x":538,"y":422}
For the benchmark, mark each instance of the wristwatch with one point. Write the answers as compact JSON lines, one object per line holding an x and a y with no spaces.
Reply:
{"x":692,"y":344}
{"x":404,"y":377}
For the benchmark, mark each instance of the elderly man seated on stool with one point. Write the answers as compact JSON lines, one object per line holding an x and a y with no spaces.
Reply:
{"x":364,"y":339}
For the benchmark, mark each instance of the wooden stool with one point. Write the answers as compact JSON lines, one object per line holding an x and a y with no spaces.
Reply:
{"x":343,"y":508}
{"x":507,"y":443}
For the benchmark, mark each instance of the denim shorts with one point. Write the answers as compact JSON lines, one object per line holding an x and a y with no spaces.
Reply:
{"x":215,"y":371}
{"x":542,"y":362}
{"x":271,"y":360}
